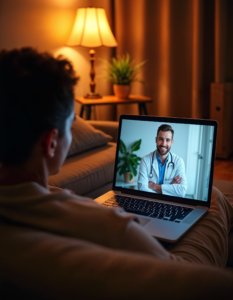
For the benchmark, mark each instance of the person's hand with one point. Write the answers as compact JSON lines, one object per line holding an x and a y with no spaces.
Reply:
{"x":177,"y":180}
{"x":155,"y":187}
{"x":151,"y":185}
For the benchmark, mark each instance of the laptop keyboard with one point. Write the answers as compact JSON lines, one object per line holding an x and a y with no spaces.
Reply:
{"x":151,"y":209}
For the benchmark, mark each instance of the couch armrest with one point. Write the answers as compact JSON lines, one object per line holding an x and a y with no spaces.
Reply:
{"x":108,"y":127}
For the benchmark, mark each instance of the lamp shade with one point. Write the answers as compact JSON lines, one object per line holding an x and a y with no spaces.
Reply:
{"x":91,"y":29}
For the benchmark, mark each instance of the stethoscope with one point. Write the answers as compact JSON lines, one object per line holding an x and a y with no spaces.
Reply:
{"x":171,"y":162}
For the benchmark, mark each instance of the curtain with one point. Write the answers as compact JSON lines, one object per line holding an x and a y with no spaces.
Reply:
{"x":177,"y":38}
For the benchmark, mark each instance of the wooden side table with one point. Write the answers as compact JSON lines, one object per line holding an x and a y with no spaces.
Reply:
{"x":132,"y":99}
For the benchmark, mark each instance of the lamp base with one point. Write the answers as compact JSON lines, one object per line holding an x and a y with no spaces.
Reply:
{"x":92,"y":96}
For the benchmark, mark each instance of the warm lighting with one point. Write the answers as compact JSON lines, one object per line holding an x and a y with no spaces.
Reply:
{"x":91,"y":29}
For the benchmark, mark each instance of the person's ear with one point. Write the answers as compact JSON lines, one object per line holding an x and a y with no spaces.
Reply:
{"x":50,"y":142}
{"x":156,"y":139}
{"x":172,"y":142}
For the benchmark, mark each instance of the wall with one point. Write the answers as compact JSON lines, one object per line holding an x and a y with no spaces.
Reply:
{"x":178,"y":38}
{"x":45,"y":25}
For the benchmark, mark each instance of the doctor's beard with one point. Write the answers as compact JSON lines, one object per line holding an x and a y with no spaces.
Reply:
{"x":161,"y":153}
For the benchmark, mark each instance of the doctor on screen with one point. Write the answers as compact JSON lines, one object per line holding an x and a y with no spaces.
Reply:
{"x":161,"y":171}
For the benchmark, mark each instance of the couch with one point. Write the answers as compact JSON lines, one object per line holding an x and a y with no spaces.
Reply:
{"x":88,"y":169}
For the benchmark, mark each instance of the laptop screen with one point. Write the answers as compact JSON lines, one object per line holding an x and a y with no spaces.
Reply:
{"x":166,"y":157}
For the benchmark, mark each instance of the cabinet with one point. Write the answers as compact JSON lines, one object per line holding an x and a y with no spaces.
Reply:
{"x":221,"y":110}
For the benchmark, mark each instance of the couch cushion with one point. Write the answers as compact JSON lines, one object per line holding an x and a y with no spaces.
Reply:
{"x":85,"y":137}
{"x":87,"y":171}
{"x":226,"y":187}
{"x":207,"y":242}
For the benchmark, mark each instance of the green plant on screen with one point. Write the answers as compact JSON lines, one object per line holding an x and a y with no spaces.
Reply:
{"x":129,"y":161}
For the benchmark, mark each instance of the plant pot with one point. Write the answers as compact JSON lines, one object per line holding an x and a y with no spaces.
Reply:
{"x":127,"y":180}
{"x":121,"y":90}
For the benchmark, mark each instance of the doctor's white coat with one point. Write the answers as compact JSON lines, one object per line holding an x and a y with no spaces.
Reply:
{"x":177,"y":190}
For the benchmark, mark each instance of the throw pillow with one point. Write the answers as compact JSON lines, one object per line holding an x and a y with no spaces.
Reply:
{"x":86,"y":137}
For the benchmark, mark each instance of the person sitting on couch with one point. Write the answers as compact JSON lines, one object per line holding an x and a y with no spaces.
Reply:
{"x":56,"y":244}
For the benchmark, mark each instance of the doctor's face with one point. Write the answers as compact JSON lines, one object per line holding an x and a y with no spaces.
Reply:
{"x":164,"y":142}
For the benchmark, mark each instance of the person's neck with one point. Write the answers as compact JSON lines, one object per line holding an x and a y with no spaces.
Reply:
{"x":13,"y":175}
{"x":162,"y":157}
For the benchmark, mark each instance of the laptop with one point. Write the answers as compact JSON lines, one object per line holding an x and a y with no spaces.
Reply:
{"x":169,"y":180}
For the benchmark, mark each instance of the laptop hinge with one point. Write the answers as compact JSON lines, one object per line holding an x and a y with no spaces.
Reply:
{"x":163,"y":201}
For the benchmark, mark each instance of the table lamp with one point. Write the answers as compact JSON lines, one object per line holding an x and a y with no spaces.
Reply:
{"x":91,"y":29}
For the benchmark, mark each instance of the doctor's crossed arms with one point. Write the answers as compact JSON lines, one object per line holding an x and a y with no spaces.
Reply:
{"x":162,"y":171}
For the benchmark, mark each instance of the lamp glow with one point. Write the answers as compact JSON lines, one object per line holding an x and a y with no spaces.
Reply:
{"x":91,"y":29}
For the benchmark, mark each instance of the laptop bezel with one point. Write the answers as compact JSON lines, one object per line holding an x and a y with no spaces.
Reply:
{"x":157,"y":196}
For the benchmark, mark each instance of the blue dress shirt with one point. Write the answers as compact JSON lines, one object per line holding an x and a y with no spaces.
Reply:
{"x":161,"y":168}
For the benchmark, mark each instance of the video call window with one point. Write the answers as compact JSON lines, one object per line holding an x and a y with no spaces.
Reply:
{"x":189,"y":157}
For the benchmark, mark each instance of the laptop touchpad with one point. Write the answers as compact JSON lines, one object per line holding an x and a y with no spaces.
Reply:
{"x":143,"y":221}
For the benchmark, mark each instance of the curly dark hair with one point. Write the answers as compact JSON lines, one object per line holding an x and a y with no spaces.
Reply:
{"x":165,"y":127}
{"x":36,"y":95}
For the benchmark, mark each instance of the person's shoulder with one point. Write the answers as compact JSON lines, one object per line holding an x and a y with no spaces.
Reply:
{"x":66,"y":194}
{"x":148,"y":156}
{"x":176,"y":157}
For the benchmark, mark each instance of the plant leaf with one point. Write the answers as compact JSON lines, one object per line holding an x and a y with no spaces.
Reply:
{"x":122,"y":147}
{"x":124,"y":169}
{"x":132,"y":169}
{"x":140,"y":64}
{"x":122,"y":70}
{"x":133,"y":161}
{"x":136,"y":146}
{"x":118,"y":168}
{"x":119,"y":159}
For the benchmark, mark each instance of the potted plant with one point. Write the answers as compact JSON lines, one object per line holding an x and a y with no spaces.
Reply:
{"x":121,"y":72}
{"x":127,"y":164}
